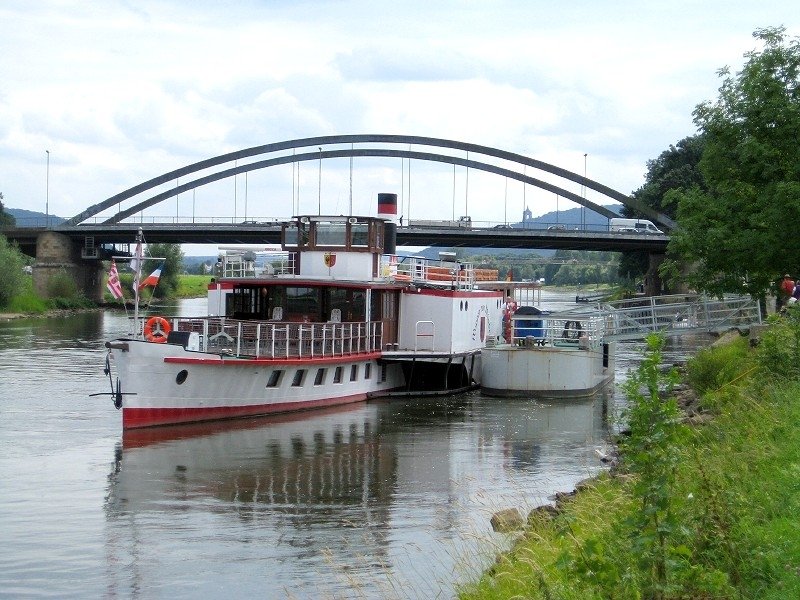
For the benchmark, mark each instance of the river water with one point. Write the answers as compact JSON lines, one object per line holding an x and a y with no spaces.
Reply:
{"x":388,"y":499}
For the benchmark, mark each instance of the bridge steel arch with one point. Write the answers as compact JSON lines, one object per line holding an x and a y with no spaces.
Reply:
{"x":368,"y":152}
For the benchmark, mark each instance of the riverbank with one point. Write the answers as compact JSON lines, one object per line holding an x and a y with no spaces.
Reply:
{"x":728,"y":509}
{"x":55,"y":313}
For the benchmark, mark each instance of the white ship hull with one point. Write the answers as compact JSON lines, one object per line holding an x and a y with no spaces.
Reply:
{"x":166,"y":384}
{"x":546,"y":371}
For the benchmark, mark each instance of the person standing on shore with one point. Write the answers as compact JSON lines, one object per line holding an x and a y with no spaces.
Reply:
{"x":795,"y":297}
{"x":785,"y":291}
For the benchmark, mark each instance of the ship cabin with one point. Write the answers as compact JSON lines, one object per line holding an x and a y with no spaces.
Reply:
{"x":327,"y":270}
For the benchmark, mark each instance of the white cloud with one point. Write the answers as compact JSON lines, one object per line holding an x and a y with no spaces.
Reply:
{"x":120,"y":92}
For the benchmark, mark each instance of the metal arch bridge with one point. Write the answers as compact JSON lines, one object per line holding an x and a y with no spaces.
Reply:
{"x":320,"y":141}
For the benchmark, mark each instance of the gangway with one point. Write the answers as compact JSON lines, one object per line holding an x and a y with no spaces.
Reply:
{"x":671,"y":315}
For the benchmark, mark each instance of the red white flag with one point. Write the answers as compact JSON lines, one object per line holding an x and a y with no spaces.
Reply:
{"x":136,"y":265}
{"x":153,"y":278}
{"x":113,"y":285}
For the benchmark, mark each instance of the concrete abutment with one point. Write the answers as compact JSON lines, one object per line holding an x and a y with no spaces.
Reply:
{"x":57,"y":254}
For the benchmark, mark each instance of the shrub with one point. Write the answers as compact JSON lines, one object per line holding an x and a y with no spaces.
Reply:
{"x":711,"y":368}
{"x":61,"y":285}
{"x":778,"y":354}
{"x":11,"y":275}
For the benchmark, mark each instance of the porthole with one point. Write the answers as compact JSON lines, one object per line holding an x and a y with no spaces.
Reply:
{"x":466,"y":304}
{"x":181,"y":377}
{"x":461,"y":305}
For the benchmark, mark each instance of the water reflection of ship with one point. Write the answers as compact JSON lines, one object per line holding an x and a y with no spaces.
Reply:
{"x":349,"y":456}
{"x":289,"y":461}
{"x":551,"y":430}
{"x":357,"y":486}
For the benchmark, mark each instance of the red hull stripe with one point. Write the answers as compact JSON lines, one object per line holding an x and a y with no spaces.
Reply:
{"x":246,"y":362}
{"x":149,"y":417}
{"x":144,"y":436}
{"x":233,"y":284}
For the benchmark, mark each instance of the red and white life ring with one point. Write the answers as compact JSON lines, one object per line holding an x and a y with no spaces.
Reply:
{"x":157,"y":329}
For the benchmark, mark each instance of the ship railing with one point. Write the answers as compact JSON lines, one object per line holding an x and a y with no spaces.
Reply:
{"x":565,"y":331}
{"x":250,"y":264}
{"x":424,"y":335}
{"x":267,"y":339}
{"x":420,"y":270}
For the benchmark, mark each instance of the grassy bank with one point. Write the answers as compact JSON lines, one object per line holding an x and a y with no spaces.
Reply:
{"x":192,"y":286}
{"x":712,"y":513}
{"x":28,"y":302}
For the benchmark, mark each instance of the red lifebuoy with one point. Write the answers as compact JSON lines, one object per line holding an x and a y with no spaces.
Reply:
{"x":156,"y":329}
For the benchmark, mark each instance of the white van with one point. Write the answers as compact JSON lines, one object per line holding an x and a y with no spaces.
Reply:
{"x":634,"y":226}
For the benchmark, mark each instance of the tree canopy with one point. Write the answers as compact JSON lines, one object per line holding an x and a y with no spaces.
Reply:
{"x":740,"y":234}
{"x":6,"y":220}
{"x":11,"y":263}
{"x":172,"y":258}
{"x":677,"y":168}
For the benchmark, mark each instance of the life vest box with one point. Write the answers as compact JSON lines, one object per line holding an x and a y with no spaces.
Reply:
{"x":533,"y":326}
{"x":190,"y":340}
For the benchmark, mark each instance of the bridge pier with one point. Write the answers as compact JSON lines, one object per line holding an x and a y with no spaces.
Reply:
{"x":653,"y":284}
{"x":56,"y":254}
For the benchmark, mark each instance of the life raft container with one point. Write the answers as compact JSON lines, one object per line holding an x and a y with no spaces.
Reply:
{"x":572,"y":330}
{"x":156,"y":329}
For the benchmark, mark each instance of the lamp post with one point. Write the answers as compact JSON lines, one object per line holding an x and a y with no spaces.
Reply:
{"x":319,"y":186}
{"x":454,"y":191}
{"x":47,"y":193}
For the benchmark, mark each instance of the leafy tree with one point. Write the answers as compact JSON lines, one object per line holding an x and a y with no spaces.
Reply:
{"x":741,"y":232}
{"x":677,"y":168}
{"x":6,"y":220}
{"x":172,"y":257}
{"x":11,"y":275}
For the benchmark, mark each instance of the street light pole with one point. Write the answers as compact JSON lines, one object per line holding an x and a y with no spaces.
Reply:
{"x":319,"y":187}
{"x":47,"y":193}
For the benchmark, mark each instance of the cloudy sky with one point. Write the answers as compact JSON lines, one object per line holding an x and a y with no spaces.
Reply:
{"x":120,"y":91}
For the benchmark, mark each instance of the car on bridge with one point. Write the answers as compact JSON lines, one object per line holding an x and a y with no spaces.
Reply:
{"x":634,"y":226}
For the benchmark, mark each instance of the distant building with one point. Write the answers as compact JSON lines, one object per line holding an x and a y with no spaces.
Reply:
{"x":527,"y":216}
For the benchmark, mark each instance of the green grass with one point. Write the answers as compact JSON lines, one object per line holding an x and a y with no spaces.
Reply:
{"x":193,"y":286}
{"x":735,"y":497}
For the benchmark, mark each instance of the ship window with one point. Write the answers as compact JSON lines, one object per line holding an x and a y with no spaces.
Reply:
{"x":290,"y":236}
{"x":299,"y":375}
{"x":383,"y":373}
{"x":461,"y":305}
{"x":368,"y":371}
{"x":182,"y":375}
{"x":359,"y":234}
{"x":337,"y":375}
{"x":302,"y":302}
{"x":331,"y":234}
{"x":353,"y":372}
{"x":466,"y":304}
{"x":274,"y":378}
{"x":319,"y":378}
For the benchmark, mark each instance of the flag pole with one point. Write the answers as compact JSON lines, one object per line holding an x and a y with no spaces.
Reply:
{"x":136,"y":277}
